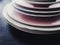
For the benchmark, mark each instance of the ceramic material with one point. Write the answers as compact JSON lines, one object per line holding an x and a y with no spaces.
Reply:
{"x":41,"y":17}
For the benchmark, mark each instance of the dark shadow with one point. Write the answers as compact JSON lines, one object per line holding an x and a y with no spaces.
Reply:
{"x":34,"y":39}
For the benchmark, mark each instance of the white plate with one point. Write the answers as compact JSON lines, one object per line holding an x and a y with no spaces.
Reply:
{"x":16,"y":16}
{"x":34,"y":2}
{"x":35,"y":11}
{"x":10,"y":7}
{"x":27,"y":27}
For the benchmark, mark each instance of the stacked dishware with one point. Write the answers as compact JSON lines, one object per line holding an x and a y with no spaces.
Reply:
{"x":34,"y":16}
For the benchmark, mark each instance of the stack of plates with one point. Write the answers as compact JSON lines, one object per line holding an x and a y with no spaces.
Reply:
{"x":34,"y":16}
